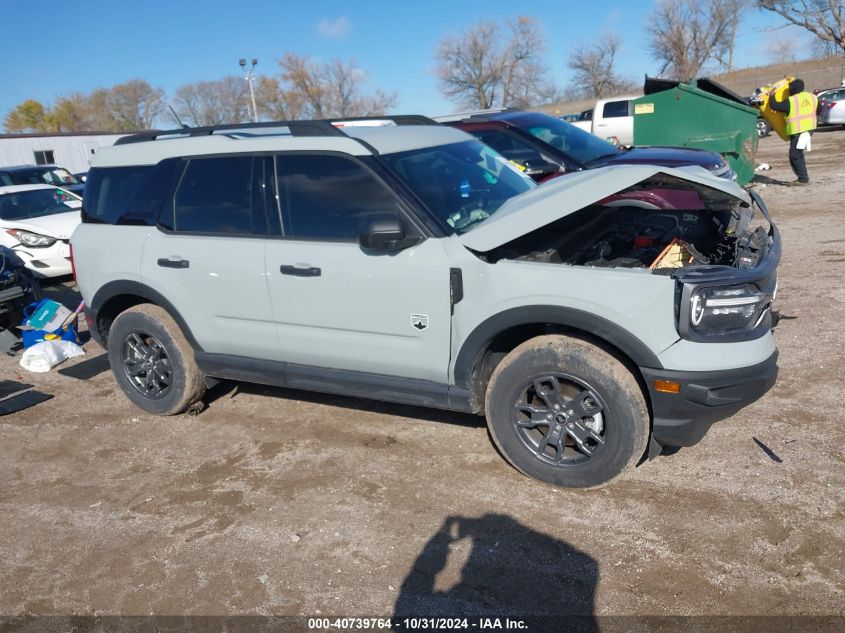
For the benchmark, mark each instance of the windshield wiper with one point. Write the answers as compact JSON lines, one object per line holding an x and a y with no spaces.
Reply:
{"x":600,"y":157}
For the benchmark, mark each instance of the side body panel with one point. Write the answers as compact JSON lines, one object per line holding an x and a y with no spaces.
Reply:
{"x":221,"y":294}
{"x":103,"y":253}
{"x":385,"y":314}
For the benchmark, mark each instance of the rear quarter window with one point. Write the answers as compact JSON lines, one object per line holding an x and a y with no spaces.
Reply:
{"x":615,"y":109}
{"x":126,"y":195}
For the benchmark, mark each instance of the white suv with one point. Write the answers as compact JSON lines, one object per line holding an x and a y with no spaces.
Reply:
{"x":411,"y":263}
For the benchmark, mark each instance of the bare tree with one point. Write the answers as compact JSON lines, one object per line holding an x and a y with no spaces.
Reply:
{"x":77,"y":112}
{"x":595,"y":76}
{"x":304,"y":78}
{"x":277,"y":104}
{"x":480,"y":68}
{"x":321,"y":90}
{"x":687,"y":34}
{"x":134,"y":105}
{"x":213,"y":102}
{"x":781,"y":51}
{"x":823,"y":18}
{"x":129,"y":106}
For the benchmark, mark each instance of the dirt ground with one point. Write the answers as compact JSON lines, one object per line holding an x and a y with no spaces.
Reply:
{"x":282,"y":502}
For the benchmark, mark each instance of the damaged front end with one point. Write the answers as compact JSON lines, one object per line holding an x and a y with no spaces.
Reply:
{"x":705,"y":235}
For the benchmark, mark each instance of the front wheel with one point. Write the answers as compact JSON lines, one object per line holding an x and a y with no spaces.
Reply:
{"x":153,"y":362}
{"x":567,"y":412}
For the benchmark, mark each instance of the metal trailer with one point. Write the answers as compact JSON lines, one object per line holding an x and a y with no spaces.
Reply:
{"x":73,"y":151}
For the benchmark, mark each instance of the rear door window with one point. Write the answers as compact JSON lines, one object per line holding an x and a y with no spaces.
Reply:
{"x":214,"y":195}
{"x":328,"y":197}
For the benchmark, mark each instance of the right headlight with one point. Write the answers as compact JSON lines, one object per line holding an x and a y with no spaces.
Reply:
{"x":718,"y":310}
{"x":34,"y":240}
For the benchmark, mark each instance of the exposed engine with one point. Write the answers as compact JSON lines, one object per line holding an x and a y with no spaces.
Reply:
{"x":629,"y":234}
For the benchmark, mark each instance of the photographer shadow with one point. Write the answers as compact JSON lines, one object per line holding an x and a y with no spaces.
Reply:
{"x":494,"y":566}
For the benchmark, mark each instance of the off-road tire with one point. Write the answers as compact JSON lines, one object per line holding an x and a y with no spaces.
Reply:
{"x":623,"y":409}
{"x":186,"y":385}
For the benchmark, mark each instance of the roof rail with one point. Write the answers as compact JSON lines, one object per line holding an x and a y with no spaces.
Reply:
{"x":397,"y":119}
{"x":295,"y":128}
{"x":315,"y":127}
{"x":477,"y":115}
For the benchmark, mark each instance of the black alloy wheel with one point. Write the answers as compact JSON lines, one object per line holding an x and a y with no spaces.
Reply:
{"x":146,"y":365}
{"x":560,"y":419}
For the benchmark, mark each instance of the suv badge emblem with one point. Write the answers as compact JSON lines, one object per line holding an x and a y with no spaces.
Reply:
{"x":419,"y":321}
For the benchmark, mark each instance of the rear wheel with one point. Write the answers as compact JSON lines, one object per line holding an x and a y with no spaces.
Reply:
{"x":153,"y":362}
{"x":566,"y":412}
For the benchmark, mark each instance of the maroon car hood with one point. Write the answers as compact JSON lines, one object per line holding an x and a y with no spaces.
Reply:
{"x":667,"y":156}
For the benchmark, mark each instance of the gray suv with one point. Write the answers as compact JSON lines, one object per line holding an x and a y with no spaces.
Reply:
{"x":591,"y":319}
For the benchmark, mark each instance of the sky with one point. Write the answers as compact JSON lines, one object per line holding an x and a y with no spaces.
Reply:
{"x":86,"y":44}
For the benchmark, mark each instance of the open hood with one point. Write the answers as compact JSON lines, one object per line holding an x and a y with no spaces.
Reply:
{"x":560,"y":197}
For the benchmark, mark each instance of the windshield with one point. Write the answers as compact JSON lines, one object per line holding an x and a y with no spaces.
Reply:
{"x":461,"y":183}
{"x":51,"y":176}
{"x":25,"y":205}
{"x":575,"y":143}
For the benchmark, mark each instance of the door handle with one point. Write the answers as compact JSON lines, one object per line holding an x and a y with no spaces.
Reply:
{"x":173,"y":262}
{"x":300,"y":271}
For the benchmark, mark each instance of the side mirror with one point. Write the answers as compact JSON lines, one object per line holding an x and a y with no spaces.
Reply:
{"x":539,"y":169}
{"x":384,"y":233}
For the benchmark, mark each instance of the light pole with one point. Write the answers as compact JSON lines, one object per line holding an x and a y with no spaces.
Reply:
{"x":248,"y":77}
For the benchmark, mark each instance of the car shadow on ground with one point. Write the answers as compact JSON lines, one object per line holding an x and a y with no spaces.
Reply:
{"x":61,"y":289}
{"x":765,"y":180}
{"x":829,"y":128}
{"x":494,"y":566}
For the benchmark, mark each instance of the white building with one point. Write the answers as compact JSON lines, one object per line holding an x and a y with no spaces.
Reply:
{"x":73,"y":151}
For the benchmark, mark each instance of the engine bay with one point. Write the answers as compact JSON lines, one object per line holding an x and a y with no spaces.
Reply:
{"x":628,"y":232}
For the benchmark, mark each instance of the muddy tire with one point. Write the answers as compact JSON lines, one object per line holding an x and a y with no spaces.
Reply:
{"x":152,"y":361}
{"x":566,"y":412}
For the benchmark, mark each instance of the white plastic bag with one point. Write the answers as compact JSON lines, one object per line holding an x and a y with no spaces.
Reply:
{"x":804,"y":142}
{"x":43,"y":356}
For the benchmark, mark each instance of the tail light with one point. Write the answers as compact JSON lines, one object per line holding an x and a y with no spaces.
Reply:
{"x":72,"y":266}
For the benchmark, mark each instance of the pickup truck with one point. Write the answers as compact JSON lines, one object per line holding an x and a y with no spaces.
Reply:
{"x":610,"y":118}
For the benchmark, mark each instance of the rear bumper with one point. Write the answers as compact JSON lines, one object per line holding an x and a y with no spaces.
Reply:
{"x":705,"y":397}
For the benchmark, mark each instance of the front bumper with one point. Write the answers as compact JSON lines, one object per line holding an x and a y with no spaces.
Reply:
{"x":53,"y":261}
{"x":705,"y":397}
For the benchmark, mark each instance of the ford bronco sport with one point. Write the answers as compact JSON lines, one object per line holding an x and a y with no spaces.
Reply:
{"x":591,"y":319}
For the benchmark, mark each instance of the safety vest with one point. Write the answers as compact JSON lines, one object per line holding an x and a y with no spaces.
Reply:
{"x":802,"y":113}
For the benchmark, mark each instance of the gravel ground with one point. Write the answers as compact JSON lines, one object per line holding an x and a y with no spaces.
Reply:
{"x":282,"y":502}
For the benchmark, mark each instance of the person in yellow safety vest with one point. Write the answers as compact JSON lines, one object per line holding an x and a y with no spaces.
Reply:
{"x":800,"y":109}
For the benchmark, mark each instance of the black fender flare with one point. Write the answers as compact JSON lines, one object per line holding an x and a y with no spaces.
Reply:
{"x":476,"y":343}
{"x":124,"y":287}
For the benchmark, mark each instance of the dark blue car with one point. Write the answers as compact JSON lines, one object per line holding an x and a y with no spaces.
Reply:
{"x":41,"y":175}
{"x":547,"y":146}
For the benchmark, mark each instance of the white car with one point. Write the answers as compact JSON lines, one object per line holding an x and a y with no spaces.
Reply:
{"x":832,"y":107}
{"x":36,"y":221}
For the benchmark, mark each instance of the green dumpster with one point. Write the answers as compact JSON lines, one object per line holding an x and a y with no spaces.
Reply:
{"x":699,"y":114}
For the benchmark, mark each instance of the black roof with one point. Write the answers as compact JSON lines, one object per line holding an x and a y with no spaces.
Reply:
{"x":24,"y":168}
